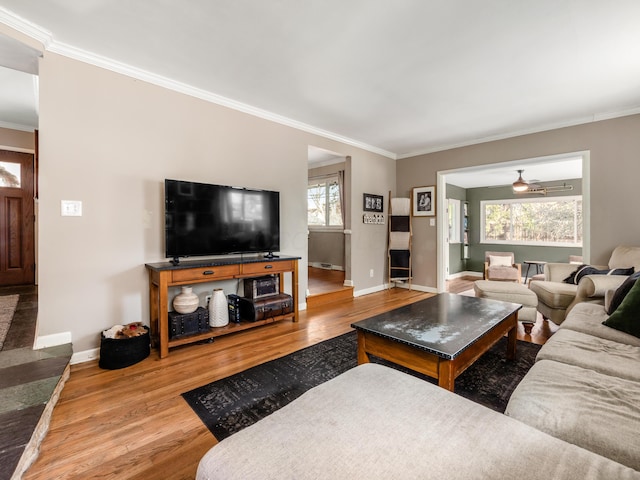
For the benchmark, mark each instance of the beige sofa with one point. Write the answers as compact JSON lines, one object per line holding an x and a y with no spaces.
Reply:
{"x":556,"y":298}
{"x":378,"y":423}
{"x":585,"y":387}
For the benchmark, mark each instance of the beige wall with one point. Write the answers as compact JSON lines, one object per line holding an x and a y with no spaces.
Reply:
{"x":17,"y":140}
{"x":614,"y":169}
{"x":110,"y":140}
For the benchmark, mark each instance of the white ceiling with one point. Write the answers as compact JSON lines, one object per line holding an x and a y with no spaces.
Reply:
{"x":397,"y":77}
{"x":535,"y":170}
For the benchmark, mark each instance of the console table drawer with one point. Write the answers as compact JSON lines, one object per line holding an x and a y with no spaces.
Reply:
{"x":263,"y":268}
{"x":205,"y":273}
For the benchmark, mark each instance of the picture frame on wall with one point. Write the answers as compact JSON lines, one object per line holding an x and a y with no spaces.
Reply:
{"x":424,"y":201}
{"x":372,"y":203}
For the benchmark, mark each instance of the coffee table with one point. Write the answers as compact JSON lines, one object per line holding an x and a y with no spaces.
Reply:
{"x":440,"y":336}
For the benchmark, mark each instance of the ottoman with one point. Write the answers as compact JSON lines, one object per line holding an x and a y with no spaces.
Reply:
{"x":514,"y":293}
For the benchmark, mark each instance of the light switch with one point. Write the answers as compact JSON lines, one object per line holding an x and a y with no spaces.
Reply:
{"x":71,"y":208}
{"x":432,"y":222}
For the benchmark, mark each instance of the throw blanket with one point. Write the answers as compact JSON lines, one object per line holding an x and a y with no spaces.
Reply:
{"x":583,"y":270}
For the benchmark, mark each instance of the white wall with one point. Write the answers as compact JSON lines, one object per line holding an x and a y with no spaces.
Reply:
{"x":109,"y":141}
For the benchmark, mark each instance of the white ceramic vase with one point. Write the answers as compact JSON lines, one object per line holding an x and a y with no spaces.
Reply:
{"x":186,"y":301}
{"x":218,"y":309}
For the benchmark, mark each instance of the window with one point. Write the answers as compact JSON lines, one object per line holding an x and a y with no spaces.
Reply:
{"x":323,"y":203}
{"x":10,"y":174}
{"x":546,"y":221}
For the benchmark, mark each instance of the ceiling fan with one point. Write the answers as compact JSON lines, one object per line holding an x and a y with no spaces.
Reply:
{"x":521,"y":186}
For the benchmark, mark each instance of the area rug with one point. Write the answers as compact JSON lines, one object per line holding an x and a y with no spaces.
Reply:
{"x":8,"y":305}
{"x":233,"y":403}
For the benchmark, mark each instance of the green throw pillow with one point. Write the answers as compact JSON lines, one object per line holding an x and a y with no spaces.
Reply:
{"x":626,"y":318}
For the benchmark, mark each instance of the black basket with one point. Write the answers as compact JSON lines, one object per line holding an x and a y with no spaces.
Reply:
{"x":123,"y":352}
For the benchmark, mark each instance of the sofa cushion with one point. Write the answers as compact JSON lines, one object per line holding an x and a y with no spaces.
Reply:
{"x":584,"y":270}
{"x":624,"y":256}
{"x":378,"y":423}
{"x":500,"y":261}
{"x":626,"y":317}
{"x":588,"y":317}
{"x":594,"y":353}
{"x":554,"y":294}
{"x":598,"y":412}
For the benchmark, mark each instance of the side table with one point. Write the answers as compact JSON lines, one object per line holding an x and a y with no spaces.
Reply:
{"x":537,"y":263}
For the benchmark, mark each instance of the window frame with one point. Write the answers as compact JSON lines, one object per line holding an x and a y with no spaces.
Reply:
{"x":484,"y":240}
{"x":327,"y":180}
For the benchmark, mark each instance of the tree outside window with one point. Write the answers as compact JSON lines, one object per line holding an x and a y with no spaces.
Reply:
{"x":323,"y":203}
{"x":548,"y":221}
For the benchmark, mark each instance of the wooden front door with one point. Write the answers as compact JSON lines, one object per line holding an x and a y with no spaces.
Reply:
{"x":17,"y":246}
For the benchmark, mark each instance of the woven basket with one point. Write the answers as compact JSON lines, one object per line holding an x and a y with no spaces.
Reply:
{"x":118,"y":353}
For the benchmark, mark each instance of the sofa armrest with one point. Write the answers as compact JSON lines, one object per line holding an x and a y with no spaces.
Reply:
{"x":592,"y":288}
{"x":597,"y":285}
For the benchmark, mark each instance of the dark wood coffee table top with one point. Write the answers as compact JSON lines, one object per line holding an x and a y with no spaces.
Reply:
{"x":444,"y":325}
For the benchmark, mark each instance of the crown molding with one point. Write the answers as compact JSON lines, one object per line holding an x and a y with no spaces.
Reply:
{"x":597,"y":117}
{"x":46,"y":39}
{"x":25,"y":27}
{"x":149,"y":77}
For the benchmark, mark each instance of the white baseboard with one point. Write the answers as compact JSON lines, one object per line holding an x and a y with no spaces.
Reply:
{"x":367,"y":291}
{"x":45,"y":341}
{"x":85,"y":356}
{"x":464,"y":274}
{"x":420,"y":288}
{"x":348,"y":283}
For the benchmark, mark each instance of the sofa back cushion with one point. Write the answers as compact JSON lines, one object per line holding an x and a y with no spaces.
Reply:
{"x":625,"y":257}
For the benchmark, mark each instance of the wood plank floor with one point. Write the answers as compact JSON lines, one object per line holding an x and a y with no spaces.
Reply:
{"x":133,"y":423}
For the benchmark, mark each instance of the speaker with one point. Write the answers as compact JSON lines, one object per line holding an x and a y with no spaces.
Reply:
{"x":234,"y":307}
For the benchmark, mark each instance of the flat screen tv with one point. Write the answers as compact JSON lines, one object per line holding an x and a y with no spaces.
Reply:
{"x":203,"y":219}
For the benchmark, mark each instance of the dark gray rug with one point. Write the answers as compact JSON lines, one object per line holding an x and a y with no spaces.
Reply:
{"x":233,"y":403}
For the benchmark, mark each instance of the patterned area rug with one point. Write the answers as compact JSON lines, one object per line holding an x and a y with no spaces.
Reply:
{"x":8,"y":305}
{"x":233,"y":403}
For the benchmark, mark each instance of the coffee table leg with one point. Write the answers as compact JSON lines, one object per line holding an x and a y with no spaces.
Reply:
{"x":445,"y":375}
{"x":511,"y":340}
{"x":362,"y":353}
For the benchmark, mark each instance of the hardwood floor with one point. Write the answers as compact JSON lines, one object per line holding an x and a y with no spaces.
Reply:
{"x":325,"y":287}
{"x":134,"y":424}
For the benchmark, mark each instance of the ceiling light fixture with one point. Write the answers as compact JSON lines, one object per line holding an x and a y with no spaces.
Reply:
{"x":520,"y":185}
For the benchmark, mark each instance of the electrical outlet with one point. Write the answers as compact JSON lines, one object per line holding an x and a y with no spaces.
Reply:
{"x":371,"y":273}
{"x":208,"y":299}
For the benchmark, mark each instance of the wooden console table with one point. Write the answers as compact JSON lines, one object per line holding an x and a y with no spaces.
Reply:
{"x":165,"y":274}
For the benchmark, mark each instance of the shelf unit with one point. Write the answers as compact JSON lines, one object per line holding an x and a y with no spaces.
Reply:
{"x":399,"y":240}
{"x":166,"y":274}
{"x":465,"y":231}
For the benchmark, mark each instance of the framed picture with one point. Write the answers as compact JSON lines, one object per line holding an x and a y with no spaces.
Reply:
{"x":424,"y":201}
{"x":372,"y":203}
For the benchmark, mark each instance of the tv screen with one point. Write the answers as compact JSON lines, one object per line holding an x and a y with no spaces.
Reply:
{"x":203,"y":219}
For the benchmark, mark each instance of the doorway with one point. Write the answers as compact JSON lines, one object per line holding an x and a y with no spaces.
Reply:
{"x":17,"y":220}
{"x":548,"y":163}
{"x":328,"y":245}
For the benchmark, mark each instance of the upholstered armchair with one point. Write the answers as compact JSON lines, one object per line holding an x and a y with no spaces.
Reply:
{"x":501,"y":266}
{"x":556,"y":297}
